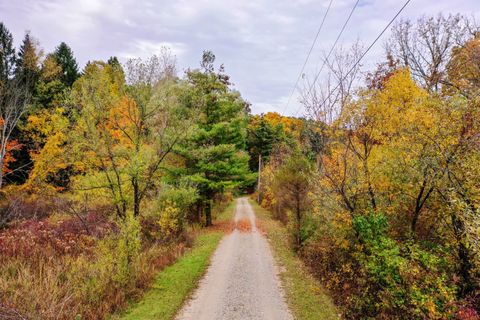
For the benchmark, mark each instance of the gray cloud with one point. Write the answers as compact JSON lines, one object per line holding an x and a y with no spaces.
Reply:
{"x":262,"y":43}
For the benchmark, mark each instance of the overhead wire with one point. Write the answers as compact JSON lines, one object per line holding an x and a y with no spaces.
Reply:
{"x":364,"y":53}
{"x":308,"y":56}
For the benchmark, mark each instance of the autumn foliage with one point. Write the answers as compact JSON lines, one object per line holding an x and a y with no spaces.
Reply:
{"x":389,"y":217}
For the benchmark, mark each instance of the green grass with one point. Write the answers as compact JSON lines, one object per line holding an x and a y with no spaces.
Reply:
{"x":227,"y":213}
{"x":305,"y":295}
{"x":175,"y":283}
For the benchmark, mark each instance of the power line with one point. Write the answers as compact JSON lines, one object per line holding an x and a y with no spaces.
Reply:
{"x":365,"y":52}
{"x":308,"y":56}
{"x":333,"y":46}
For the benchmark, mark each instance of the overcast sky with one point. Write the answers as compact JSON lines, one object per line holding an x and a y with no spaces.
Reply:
{"x":262,"y":43}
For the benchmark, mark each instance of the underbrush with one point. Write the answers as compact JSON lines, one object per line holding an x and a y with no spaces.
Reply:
{"x":371,"y":275}
{"x":56,"y":265}
{"x":68,"y":260}
{"x":87,"y":286}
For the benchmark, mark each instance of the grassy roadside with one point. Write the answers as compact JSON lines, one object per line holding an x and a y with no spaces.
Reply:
{"x":175,"y":283}
{"x":305,"y":295}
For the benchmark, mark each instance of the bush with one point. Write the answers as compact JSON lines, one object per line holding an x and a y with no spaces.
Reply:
{"x":18,"y":206}
{"x":372,"y":275}
{"x":165,"y":221}
{"x":171,"y":221}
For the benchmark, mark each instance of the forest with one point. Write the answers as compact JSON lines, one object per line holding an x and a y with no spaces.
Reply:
{"x":110,"y":172}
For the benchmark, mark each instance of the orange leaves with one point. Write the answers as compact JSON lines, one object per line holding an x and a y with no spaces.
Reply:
{"x":8,"y":158}
{"x":124,"y":121}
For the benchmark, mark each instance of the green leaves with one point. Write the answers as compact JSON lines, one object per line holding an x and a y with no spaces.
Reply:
{"x":214,"y":156}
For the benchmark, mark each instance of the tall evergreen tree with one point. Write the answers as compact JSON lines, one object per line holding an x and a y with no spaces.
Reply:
{"x":64,"y":55}
{"x":215,"y":153}
{"x":7,"y":54}
{"x":27,"y":65}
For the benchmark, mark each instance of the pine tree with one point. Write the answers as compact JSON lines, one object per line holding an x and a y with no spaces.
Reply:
{"x":261,"y":137}
{"x":27,"y":64}
{"x":66,"y":60}
{"x":7,"y":54}
{"x":215,"y":153}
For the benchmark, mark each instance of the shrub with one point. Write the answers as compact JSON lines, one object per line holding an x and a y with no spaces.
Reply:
{"x":372,"y":275}
{"x":171,"y":221}
{"x":165,"y":221}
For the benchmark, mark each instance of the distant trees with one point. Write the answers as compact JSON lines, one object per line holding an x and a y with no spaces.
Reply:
{"x":14,"y":94}
{"x":65,"y":59}
{"x":262,"y":136}
{"x":293,"y":183}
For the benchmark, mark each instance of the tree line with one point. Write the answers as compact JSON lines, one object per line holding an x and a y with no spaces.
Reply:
{"x":109,"y":172}
{"x":381,"y":187}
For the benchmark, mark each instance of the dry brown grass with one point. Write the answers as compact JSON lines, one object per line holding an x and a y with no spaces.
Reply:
{"x":60,"y":289}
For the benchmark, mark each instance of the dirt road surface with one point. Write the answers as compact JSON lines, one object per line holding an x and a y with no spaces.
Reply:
{"x":241,"y":282}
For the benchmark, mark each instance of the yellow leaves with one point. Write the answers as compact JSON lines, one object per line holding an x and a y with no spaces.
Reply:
{"x":49,"y":128}
{"x":290,"y":125}
{"x":170,"y":220}
{"x":50,"y":68}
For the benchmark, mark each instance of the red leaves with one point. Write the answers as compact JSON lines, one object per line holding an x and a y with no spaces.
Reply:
{"x":72,"y":237}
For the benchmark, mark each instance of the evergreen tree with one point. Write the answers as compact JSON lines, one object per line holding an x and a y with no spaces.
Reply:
{"x":66,"y":60}
{"x":50,"y":88}
{"x":261,"y":137}
{"x":27,"y":65}
{"x":113,"y":61}
{"x":215,"y":153}
{"x":7,"y":54}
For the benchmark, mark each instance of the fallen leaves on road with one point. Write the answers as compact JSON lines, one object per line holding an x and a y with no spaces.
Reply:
{"x":243,"y":225}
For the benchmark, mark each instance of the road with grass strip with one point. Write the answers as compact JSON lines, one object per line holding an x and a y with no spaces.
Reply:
{"x":241,"y":282}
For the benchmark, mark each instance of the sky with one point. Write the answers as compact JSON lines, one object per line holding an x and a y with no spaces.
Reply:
{"x":262,"y":43}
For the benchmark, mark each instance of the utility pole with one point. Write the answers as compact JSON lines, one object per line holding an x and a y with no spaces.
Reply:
{"x":259,"y":173}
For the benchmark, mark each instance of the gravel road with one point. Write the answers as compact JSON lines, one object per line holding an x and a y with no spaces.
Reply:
{"x":241,"y":282}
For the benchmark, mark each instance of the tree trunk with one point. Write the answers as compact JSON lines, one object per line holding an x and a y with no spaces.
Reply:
{"x":466,"y":265}
{"x":208,"y":213}
{"x":2,"y":157}
{"x":136,"y":197}
{"x":366,"y":171}
{"x":199,"y":210}
{"x":419,"y":203}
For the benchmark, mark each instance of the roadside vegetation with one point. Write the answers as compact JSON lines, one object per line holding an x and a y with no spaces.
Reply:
{"x":306,"y":297}
{"x":109,"y":174}
{"x":174,"y":284}
{"x":379,"y":188}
